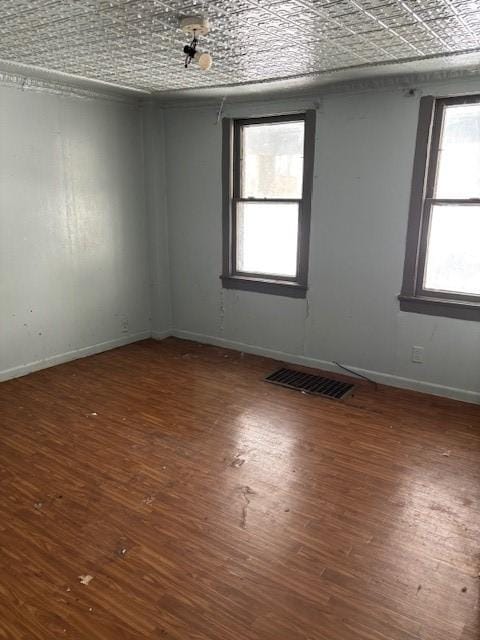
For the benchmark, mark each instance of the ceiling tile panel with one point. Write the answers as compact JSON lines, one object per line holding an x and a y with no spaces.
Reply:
{"x":138,"y":43}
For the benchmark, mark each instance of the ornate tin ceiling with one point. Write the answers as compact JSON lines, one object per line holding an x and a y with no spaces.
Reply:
{"x":137,"y":43}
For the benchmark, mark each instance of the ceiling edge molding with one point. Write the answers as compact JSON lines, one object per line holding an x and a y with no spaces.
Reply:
{"x":321,"y":86}
{"x":64,"y":89}
{"x":308,"y":86}
{"x":402,"y":80}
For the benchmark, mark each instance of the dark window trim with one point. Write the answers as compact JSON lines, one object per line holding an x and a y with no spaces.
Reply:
{"x":295,"y":287}
{"x":414,"y":297}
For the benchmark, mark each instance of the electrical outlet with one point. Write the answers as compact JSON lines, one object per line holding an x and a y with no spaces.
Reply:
{"x":418,"y":355}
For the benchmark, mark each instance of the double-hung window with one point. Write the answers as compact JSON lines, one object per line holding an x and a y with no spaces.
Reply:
{"x":267,"y":185}
{"x":442,"y":264}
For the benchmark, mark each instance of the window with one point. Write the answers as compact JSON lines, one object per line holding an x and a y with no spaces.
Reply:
{"x":442,"y":262}
{"x":267,"y":185}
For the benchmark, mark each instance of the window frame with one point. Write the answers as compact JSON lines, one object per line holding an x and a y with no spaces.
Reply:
{"x":294,"y":286}
{"x":414,"y":297}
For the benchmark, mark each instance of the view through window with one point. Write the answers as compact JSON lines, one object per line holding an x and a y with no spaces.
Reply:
{"x":442,"y":260}
{"x":269,"y":203}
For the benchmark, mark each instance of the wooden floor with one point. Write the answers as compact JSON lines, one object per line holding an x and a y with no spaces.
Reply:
{"x":208,"y":505}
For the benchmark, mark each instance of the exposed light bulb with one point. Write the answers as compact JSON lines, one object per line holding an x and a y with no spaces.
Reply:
{"x":204,"y":60}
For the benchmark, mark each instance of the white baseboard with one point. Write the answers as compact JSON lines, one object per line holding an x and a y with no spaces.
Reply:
{"x":382,"y":378}
{"x":51,"y":361}
{"x":161,"y":335}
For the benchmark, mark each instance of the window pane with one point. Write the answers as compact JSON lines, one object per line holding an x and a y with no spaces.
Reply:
{"x":267,"y":238}
{"x":272,"y":160}
{"x":453,"y":255}
{"x":458,"y":173}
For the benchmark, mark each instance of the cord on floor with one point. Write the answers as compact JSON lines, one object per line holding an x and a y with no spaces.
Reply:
{"x":359,"y":375}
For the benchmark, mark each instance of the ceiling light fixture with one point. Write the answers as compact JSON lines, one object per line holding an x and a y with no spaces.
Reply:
{"x":195,"y":26}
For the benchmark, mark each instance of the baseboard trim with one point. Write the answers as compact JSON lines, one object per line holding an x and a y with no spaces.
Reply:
{"x":382,"y":378}
{"x":161,"y":335}
{"x":51,"y":361}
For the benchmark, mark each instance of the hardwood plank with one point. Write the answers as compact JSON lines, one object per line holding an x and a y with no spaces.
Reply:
{"x":207,"y":504}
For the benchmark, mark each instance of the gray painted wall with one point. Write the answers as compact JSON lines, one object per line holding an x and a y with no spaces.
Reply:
{"x":110,"y":214}
{"x":74,"y":270}
{"x":156,"y":199}
{"x":364,"y":156}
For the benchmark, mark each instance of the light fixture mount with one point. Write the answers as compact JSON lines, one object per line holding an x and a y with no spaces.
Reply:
{"x":194,"y":26}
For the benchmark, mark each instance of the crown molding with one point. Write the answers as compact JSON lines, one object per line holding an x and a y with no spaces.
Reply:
{"x":388,"y":76}
{"x":353,"y":80}
{"x":403,"y":80}
{"x":87,"y":91}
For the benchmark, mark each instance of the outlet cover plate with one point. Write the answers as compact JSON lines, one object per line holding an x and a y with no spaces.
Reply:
{"x":418,"y":355}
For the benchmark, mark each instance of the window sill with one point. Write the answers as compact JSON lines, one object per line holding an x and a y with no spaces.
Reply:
{"x":440,"y":307}
{"x":273,"y":287}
